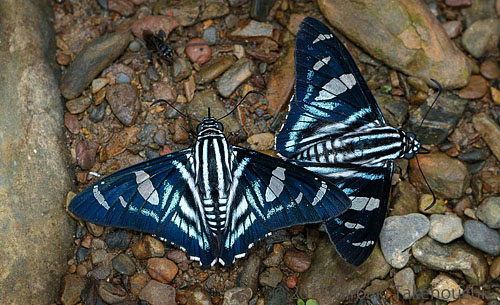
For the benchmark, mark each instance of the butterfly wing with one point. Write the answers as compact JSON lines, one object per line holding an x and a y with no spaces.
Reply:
{"x":355,"y":232}
{"x":157,"y":197}
{"x":269,"y":194}
{"x":331,"y":96}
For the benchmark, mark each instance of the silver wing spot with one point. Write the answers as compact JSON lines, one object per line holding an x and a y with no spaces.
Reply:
{"x":299,"y":198}
{"x":364,"y":243}
{"x":146,"y":188}
{"x":100,"y":198}
{"x":276,"y":184}
{"x":321,"y":192}
{"x":348,"y":80}
{"x":320,"y":63}
{"x":123,"y":202}
{"x":356,"y":226}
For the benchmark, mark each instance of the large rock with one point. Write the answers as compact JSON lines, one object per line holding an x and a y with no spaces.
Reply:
{"x":330,"y":278}
{"x":489,"y":131}
{"x":35,"y":232}
{"x":404,"y":34}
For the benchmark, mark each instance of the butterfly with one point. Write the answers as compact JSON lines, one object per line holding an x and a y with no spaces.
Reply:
{"x":213,"y":200}
{"x":335,"y":128}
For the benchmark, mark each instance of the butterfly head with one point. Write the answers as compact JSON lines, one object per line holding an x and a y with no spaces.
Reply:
{"x":209,"y":126}
{"x":412,"y":145}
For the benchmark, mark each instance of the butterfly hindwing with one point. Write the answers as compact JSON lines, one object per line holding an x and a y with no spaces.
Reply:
{"x":271,"y":194}
{"x":156,"y":197}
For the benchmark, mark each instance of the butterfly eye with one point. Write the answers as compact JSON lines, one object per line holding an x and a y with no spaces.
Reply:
{"x":199,"y":128}
{"x":220,"y":126}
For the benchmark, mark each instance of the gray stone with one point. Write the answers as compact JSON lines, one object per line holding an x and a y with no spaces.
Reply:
{"x":270,"y":277}
{"x":477,"y":38}
{"x":398,"y":234}
{"x":237,"y":296}
{"x":330,"y":276}
{"x":453,"y":257}
{"x":446,"y":228}
{"x":123,"y":264}
{"x":479,"y":9}
{"x":95,"y":57}
{"x":214,"y":9}
{"x":404,"y":281}
{"x":213,"y":69}
{"x":394,"y":110}
{"x":440,"y":121}
{"x":239,"y":72}
{"x":198,"y":108}
{"x":35,"y":230}
{"x":249,"y":276}
{"x":489,"y":212}
{"x":489,"y":131}
{"x":404,"y":199}
{"x":156,"y":293}
{"x":480,"y":236}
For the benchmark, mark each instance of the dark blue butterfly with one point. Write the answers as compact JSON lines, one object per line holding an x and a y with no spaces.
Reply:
{"x":335,"y":128}
{"x":214,"y":200}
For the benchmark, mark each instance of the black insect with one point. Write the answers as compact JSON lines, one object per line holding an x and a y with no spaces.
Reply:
{"x":157,"y":43}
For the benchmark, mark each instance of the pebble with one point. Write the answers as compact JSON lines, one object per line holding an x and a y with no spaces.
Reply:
{"x":453,"y":28}
{"x":297,"y":261}
{"x":71,"y":122}
{"x":239,"y":72}
{"x":445,"y":228}
{"x":495,"y":268}
{"x":237,"y":296}
{"x":200,"y":53}
{"x":440,"y":121}
{"x":63,"y":59}
{"x":489,"y":212}
{"x":455,"y":3}
{"x":117,"y":240}
{"x":176,"y":255}
{"x":231,"y":21}
{"x":162,"y":269}
{"x":468,"y":299}
{"x":426,"y":200}
{"x":198,"y":297}
{"x":101,"y":52}
{"x":480,"y":236}
{"x":123,"y":264}
{"x":477,"y":38}
{"x":156,"y":293}
{"x":261,"y":142}
{"x":96,"y":113}
{"x":275,"y":257}
{"x":249,"y":275}
{"x":81,"y":254}
{"x":453,"y":257}
{"x":135,"y":46}
{"x":124,"y":102}
{"x":181,"y":69}
{"x":86,"y":154}
{"x":100,"y":96}
{"x":98,"y":256}
{"x":137,"y":282}
{"x":291,"y":281}
{"x":495,"y":95}
{"x":394,"y":110}
{"x":474,"y":155}
{"x":214,"y":9}
{"x":447,"y":177}
{"x":398,"y":234}
{"x":281,"y":81}
{"x":490,"y":69}
{"x":148,"y":247}
{"x":212,"y":70}
{"x":277,"y":296}
{"x":122,"y":78}
{"x":181,"y":136}
{"x":259,"y":10}
{"x":475,"y":89}
{"x":162,"y":90}
{"x":78,"y":105}
{"x":154,"y":24}
{"x":210,"y":35}
{"x":462,"y":205}
{"x":404,"y":281}
{"x":445,"y":288}
{"x":489,"y":131}
{"x":252,"y":29}
{"x":71,"y":288}
{"x":160,"y":137}
{"x":271,"y":277}
{"x":404,"y":199}
{"x":98,"y":84}
{"x":122,"y":7}
{"x":101,"y":272}
{"x":111,"y":294}
{"x":87,"y":241}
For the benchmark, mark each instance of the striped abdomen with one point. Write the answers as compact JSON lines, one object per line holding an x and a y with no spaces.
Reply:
{"x":213,"y":178}
{"x":369,"y":145}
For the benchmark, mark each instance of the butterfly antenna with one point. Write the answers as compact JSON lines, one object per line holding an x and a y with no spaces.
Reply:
{"x":239,"y":103}
{"x":209,"y":112}
{"x":180,"y":112}
{"x":428,"y":186}
{"x":440,"y":90}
